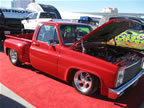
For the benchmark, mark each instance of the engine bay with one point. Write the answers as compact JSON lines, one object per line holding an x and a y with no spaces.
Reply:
{"x":115,"y":55}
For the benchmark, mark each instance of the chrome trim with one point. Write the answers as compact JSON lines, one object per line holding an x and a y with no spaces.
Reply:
{"x":127,"y":68}
{"x":115,"y":93}
{"x":133,"y":64}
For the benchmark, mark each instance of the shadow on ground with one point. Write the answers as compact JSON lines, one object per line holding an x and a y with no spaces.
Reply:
{"x":1,"y":46}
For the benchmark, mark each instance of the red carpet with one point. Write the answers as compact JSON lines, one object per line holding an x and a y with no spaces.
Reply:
{"x":44,"y":91}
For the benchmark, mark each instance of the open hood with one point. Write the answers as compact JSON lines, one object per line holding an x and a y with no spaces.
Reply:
{"x":108,"y":30}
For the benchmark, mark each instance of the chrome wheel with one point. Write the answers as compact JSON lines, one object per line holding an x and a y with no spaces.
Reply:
{"x":13,"y":56}
{"x":83,"y":81}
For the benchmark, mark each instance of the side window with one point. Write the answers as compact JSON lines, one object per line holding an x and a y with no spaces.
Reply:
{"x":48,"y":33}
{"x":34,"y":16}
{"x":142,"y":27}
{"x":30,"y":16}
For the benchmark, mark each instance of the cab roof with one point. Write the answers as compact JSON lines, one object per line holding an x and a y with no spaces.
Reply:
{"x":60,"y":22}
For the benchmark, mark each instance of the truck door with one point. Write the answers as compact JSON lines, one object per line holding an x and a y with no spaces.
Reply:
{"x":45,"y":49}
{"x":31,"y":21}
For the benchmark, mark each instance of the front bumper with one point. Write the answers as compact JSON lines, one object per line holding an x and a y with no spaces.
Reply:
{"x":115,"y":93}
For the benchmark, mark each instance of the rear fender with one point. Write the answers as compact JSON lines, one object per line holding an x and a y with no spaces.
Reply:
{"x":21,"y":47}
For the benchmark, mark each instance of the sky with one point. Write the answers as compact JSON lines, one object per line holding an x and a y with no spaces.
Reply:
{"x":125,"y":6}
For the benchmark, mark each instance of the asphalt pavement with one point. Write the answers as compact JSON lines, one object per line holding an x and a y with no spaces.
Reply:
{"x":9,"y":99}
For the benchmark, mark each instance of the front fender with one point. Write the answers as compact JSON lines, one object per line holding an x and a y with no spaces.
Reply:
{"x":105,"y":71}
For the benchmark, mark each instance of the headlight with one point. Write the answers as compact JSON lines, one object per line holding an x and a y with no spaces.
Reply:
{"x":120,"y":77}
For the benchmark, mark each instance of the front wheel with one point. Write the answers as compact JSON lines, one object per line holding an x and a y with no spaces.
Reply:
{"x":85,"y":83}
{"x":14,"y":58}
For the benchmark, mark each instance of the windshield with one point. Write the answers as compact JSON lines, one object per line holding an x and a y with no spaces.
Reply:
{"x":72,"y":33}
{"x":47,"y":15}
{"x":137,"y":27}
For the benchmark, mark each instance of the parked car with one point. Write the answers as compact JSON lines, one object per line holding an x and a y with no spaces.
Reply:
{"x":132,"y":38}
{"x":74,"y":53}
{"x":9,"y":25}
{"x":31,"y":21}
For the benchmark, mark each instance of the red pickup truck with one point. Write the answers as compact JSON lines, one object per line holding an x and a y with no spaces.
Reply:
{"x":74,"y":53}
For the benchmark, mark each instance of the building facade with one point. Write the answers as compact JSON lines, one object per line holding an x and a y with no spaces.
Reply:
{"x":21,"y":3}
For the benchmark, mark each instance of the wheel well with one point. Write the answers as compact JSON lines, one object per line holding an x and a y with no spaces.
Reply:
{"x":98,"y":80}
{"x":71,"y":74}
{"x":7,"y":50}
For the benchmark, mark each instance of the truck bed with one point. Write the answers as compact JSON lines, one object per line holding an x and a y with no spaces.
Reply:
{"x":24,"y":37}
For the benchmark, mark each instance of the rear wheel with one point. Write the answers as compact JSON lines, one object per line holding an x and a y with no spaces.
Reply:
{"x":14,"y":58}
{"x":85,"y":83}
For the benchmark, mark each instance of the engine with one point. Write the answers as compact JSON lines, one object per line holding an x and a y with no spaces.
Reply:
{"x":116,"y":55}
{"x":111,"y":54}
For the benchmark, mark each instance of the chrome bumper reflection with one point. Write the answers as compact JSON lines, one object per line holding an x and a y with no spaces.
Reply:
{"x":115,"y":93}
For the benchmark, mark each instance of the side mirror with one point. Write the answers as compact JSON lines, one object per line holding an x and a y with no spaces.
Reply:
{"x":51,"y":43}
{"x":26,"y":18}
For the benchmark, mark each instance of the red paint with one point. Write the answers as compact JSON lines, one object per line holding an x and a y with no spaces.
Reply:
{"x":59,"y":60}
{"x":45,"y":92}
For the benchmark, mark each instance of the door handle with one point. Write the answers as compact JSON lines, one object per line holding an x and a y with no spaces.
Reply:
{"x":36,"y":44}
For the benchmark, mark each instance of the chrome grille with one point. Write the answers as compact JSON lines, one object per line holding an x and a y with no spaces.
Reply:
{"x":132,"y":71}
